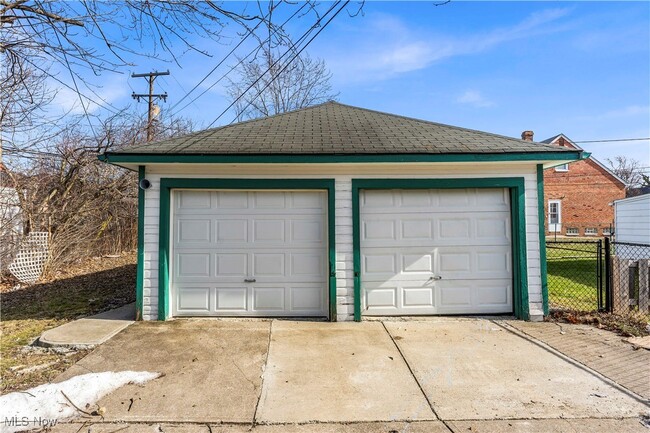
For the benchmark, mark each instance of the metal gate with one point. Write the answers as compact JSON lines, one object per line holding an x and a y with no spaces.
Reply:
{"x":576,"y":275}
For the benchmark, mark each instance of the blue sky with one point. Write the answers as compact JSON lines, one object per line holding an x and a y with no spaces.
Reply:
{"x":581,"y":68}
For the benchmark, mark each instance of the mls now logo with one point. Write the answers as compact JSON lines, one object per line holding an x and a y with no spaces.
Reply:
{"x":26,"y":421}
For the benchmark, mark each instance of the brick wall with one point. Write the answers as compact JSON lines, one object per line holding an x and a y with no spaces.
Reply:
{"x":585,"y":192}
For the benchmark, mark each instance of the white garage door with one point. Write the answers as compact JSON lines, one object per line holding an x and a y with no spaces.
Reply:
{"x":249,"y":253}
{"x":435,"y":252}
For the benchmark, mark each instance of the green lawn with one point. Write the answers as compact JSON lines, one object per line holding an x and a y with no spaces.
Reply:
{"x":572,"y":273}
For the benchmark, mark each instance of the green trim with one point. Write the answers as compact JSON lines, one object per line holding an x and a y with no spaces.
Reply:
{"x":167,"y":184}
{"x":518,"y":217}
{"x":126,"y":158}
{"x":139,"y":279}
{"x":541,"y":211}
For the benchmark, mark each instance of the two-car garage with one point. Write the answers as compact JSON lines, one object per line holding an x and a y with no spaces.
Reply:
{"x":266,"y":253}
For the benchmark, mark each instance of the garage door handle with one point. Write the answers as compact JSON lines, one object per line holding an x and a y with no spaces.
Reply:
{"x":436,"y":277}
{"x":250,"y":280}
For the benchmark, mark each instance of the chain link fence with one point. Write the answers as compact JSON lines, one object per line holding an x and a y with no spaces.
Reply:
{"x":629,"y":279}
{"x":589,"y":276}
{"x":575,"y":275}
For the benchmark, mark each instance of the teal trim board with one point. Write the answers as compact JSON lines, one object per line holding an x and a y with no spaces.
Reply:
{"x":139,"y":279}
{"x":168,"y":184}
{"x":518,"y":228}
{"x":541,"y":210}
{"x":134,"y":158}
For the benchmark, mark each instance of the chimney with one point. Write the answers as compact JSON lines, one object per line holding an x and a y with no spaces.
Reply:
{"x":527,"y":135}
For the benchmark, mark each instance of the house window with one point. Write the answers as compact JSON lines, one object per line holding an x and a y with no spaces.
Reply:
{"x":607,"y":231}
{"x":554,"y":216}
{"x":591,"y":231}
{"x":572,"y":231}
{"x":563,"y":167}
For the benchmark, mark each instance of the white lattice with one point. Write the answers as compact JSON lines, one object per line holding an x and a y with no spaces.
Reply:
{"x":30,"y":260}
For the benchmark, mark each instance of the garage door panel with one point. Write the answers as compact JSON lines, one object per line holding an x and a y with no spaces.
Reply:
{"x":194,"y":299}
{"x":192,"y":265}
{"x":380,"y":298}
{"x":233,"y":264}
{"x":268,"y":298}
{"x":231,"y":230}
{"x":277,"y":238}
{"x":194,"y":199}
{"x":417,"y":297}
{"x":195,"y":231}
{"x":306,"y":299}
{"x":268,"y":265}
{"x":233,"y":299}
{"x":450,"y":251}
{"x":307,"y":265}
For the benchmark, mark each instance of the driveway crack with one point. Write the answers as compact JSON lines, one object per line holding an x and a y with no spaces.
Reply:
{"x":412,"y":373}
{"x":266,"y":361}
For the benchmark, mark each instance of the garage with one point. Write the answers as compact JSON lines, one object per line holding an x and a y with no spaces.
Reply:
{"x":435,"y":251}
{"x":340,"y":212}
{"x":249,"y":253}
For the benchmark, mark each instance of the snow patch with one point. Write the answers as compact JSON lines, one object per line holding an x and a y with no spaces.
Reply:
{"x":47,"y":403}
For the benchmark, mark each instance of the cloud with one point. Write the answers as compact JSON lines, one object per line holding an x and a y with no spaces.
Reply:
{"x":386,"y":47}
{"x":475,"y":99}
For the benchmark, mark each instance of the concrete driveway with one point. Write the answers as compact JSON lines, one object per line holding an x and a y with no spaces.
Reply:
{"x":436,"y":375}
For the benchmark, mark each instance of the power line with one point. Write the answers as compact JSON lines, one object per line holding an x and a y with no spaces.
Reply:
{"x":292,"y":59}
{"x":250,"y":32}
{"x":232,"y":68}
{"x":613,"y":140}
{"x":181,"y":146}
{"x":293,"y":46}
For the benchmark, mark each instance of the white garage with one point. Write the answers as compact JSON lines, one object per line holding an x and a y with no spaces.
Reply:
{"x":340,"y":212}
{"x":436,"y":251}
{"x":249,"y":253}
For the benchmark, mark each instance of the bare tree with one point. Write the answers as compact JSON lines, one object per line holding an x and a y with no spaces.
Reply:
{"x":104,"y":36}
{"x":628,"y":169}
{"x":270,"y":84}
{"x":88,"y":208}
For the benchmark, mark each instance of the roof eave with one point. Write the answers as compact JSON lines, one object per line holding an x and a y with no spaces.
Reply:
{"x":560,"y":157}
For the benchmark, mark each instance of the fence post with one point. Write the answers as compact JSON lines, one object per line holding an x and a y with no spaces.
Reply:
{"x":608,"y":276}
{"x":644,"y":286}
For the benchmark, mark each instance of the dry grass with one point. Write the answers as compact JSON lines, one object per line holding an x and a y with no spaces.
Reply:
{"x":626,"y":326}
{"x":96,"y":285}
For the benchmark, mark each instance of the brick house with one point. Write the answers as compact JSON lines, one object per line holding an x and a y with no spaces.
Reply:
{"x":578,"y":196}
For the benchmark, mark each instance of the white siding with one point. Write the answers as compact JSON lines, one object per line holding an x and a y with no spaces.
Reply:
{"x":343,"y":175}
{"x":632,"y":220}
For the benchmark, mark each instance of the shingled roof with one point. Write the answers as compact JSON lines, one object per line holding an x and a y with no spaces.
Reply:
{"x":337,"y":129}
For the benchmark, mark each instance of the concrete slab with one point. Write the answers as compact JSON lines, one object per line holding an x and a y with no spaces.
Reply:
{"x":628,"y":425}
{"x":604,"y":351}
{"x":474,"y":369}
{"x":212,"y":370}
{"x":89,"y":331}
{"x":374,"y":427}
{"x":337,"y":372}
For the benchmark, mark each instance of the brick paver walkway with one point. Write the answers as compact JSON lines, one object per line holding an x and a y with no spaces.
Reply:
{"x":604,"y":351}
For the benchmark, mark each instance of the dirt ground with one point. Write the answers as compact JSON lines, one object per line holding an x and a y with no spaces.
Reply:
{"x":96,"y":285}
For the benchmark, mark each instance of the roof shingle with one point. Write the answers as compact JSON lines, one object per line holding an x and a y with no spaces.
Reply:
{"x":333,"y":128}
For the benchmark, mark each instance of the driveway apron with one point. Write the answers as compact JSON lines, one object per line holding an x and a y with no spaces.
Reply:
{"x":212,"y":370}
{"x":337,"y":372}
{"x":475,"y":369}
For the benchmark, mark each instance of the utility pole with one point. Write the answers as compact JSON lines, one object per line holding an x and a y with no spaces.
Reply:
{"x":150,"y":76}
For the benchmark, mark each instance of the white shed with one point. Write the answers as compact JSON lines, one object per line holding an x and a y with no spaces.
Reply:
{"x":632,"y":219}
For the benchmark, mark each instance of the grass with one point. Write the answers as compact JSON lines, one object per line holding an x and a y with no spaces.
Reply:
{"x":97,"y":285}
{"x":572,"y":276}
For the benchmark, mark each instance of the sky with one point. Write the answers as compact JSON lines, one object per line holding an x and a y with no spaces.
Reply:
{"x":578,"y":68}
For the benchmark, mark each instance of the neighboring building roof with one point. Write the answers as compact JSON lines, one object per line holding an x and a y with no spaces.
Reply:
{"x":600,"y":164}
{"x":337,"y":129}
{"x":641,"y":197}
